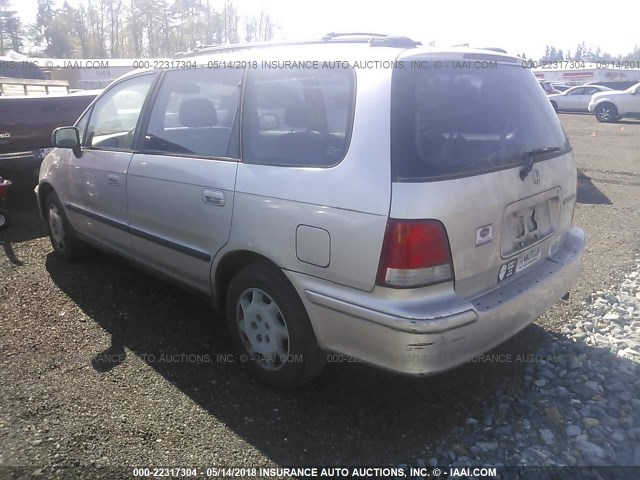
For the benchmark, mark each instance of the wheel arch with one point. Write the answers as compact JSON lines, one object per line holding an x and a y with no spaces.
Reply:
{"x":44,"y":189}
{"x":231,"y":263}
{"x":605,"y":101}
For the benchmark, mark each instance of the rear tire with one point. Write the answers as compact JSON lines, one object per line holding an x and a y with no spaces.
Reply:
{"x":270,"y":327}
{"x":606,"y":113}
{"x":63,"y":239}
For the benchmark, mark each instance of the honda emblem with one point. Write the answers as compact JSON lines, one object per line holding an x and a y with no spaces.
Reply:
{"x":535,"y":175}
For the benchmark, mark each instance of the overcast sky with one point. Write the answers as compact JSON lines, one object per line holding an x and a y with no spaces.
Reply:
{"x":516,"y":26}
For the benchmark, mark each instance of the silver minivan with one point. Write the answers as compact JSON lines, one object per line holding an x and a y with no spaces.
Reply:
{"x":358,"y":197}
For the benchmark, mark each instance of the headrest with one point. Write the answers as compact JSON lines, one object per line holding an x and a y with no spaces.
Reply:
{"x":198,"y":112}
{"x":298,"y":115}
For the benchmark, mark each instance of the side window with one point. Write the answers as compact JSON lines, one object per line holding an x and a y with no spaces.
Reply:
{"x":577,"y":91}
{"x":194,"y":113}
{"x":114,"y":116}
{"x":298,"y":117}
{"x":591,"y":90}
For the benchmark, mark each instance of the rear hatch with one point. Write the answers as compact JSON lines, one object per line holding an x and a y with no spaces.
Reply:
{"x":477,"y":146}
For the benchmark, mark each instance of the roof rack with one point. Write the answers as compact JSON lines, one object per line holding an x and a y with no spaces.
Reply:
{"x":373,"y":39}
{"x":494,"y":49}
{"x":333,"y":35}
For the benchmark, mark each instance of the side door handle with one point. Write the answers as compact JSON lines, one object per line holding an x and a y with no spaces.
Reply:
{"x":214,"y":197}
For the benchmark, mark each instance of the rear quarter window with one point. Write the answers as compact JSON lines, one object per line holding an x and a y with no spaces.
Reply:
{"x":460,"y":121}
{"x":298,"y":117}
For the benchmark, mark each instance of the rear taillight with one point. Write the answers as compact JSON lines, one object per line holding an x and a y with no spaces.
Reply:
{"x":415,"y":253}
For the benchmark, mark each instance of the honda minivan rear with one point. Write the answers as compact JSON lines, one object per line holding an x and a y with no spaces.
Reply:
{"x":479,"y":240}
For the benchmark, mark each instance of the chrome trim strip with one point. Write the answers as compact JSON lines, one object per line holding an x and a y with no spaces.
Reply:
{"x":192,"y":252}
{"x":100,"y":218}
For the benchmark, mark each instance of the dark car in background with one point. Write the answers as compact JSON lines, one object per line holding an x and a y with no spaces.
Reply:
{"x":32,"y":107}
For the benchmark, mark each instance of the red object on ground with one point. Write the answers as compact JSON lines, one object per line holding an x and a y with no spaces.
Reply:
{"x":4,"y":185}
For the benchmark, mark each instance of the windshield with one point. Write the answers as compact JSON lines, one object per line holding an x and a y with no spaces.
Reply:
{"x":632,"y":88}
{"x":459,"y":121}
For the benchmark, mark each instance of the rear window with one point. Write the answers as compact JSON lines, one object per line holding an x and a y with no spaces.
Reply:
{"x":457,"y":120}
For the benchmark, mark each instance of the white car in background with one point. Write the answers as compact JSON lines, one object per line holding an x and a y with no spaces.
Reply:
{"x":614,"y":105}
{"x":575,"y":99}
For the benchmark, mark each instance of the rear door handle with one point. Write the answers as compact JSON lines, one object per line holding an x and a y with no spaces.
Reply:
{"x":214,"y":197}
{"x":114,"y":180}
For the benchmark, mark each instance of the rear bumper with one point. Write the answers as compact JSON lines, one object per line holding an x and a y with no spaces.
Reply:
{"x":439,"y":330}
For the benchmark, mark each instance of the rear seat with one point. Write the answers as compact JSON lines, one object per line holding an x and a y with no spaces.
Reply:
{"x":201,"y":136}
{"x":303,"y":142}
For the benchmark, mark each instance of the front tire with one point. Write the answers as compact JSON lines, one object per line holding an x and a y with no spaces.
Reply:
{"x":606,"y":113}
{"x":270,"y":327}
{"x":555,"y":106}
{"x":62,"y":236}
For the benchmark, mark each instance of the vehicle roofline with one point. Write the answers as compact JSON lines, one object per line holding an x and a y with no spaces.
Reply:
{"x":402,"y":43}
{"x":369,"y":39}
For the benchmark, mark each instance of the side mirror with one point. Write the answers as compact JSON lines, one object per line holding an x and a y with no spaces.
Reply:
{"x":67,"y":137}
{"x":268,"y":121}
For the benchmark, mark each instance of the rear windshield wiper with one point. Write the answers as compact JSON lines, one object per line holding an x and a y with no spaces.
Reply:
{"x":529,"y":158}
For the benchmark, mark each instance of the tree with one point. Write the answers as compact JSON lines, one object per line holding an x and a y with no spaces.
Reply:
{"x":114,"y":10}
{"x":134,"y":28}
{"x":250,"y":29}
{"x":552,"y":55}
{"x":137,"y":28}
{"x":580,"y":52}
{"x":10,"y":28}
{"x":230,"y":23}
{"x":634,"y":55}
{"x":157,"y":24}
{"x":266,"y":27}
{"x":40,"y":30}
{"x":260,"y":29}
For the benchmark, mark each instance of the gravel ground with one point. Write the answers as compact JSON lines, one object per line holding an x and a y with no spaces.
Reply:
{"x":104,"y":365}
{"x":579,"y":399}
